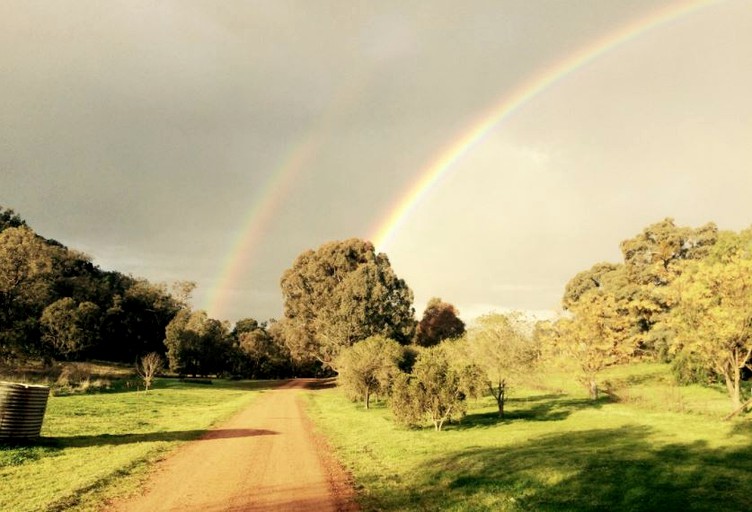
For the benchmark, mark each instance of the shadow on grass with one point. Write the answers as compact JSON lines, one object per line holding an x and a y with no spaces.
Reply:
{"x":135,"y":385}
{"x":609,"y":469}
{"x":245,"y":385}
{"x":175,"y":435}
{"x":536,"y":408}
{"x":326,"y":383}
{"x":742,"y":427}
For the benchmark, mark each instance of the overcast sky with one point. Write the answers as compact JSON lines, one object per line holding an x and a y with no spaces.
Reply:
{"x":145,"y":133}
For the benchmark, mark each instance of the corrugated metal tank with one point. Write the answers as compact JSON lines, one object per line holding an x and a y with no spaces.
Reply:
{"x":22,"y":408}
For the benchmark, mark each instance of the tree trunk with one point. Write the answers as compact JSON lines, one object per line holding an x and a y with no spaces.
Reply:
{"x":593,"y":389}
{"x":500,"y":395}
{"x":368,"y":398}
{"x":439,"y":422}
{"x":500,"y":403}
{"x":732,"y":376}
{"x":738,"y":410}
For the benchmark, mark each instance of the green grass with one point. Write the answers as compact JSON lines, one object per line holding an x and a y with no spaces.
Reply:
{"x":658,"y":450}
{"x":96,"y":446}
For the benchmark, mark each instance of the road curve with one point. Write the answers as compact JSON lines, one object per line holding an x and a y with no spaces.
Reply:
{"x":265,"y":458}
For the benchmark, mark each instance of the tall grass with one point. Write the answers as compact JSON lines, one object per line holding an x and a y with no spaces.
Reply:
{"x":65,"y":378}
{"x":658,"y":450}
{"x":95,"y":446}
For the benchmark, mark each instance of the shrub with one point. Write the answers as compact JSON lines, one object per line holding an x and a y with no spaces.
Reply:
{"x":369,"y":367}
{"x":76,"y":378}
{"x":436,"y":389}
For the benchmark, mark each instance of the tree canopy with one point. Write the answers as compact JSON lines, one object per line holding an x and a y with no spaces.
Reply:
{"x":69,"y":328}
{"x":196,"y":344}
{"x":711,"y":317}
{"x":55,"y":303}
{"x":440,"y":322}
{"x":499,"y":347}
{"x":437,"y":388}
{"x":369,"y":367}
{"x":596,"y":336}
{"x":342,"y":293}
{"x":653,"y":259}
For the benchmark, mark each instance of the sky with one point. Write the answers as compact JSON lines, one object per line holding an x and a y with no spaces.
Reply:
{"x":215,"y":141}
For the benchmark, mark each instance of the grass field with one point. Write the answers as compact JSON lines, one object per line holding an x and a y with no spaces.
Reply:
{"x":95,"y":446}
{"x":650,"y":446}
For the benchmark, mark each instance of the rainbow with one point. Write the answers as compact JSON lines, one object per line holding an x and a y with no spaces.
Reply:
{"x":428,"y":179}
{"x":273,"y":193}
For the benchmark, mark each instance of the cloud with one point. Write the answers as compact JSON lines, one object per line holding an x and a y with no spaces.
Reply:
{"x":146,"y":132}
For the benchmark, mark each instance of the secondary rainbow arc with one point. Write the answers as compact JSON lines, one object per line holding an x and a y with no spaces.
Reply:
{"x":274,"y":193}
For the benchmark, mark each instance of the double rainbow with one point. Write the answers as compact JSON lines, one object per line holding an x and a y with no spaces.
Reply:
{"x":509,"y":104}
{"x":277,"y":187}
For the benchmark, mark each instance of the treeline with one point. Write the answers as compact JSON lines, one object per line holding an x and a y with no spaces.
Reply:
{"x":55,"y":304}
{"x":681,"y":295}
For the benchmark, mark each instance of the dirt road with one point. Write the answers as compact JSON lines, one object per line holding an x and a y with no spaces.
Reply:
{"x":265,"y":458}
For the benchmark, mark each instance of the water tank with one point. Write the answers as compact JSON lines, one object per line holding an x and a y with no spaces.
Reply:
{"x":22,"y":408}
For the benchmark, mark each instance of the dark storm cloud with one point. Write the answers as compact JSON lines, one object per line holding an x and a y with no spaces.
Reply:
{"x":145,"y":132}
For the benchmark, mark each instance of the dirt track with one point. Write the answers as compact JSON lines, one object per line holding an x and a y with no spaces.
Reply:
{"x":265,"y":458}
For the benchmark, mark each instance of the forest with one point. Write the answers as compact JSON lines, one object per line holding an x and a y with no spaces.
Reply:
{"x":56,"y":305}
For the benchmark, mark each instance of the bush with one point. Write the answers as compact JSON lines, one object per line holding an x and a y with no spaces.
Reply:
{"x":76,"y":378}
{"x":436,"y":389}
{"x":688,"y":370}
{"x":404,"y":401}
{"x":369,"y":367}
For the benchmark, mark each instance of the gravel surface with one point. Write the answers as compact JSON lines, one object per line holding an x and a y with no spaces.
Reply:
{"x":265,"y":458}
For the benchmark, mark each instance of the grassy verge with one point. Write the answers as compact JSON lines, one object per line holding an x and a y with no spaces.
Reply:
{"x":96,"y":446}
{"x":555,"y":451}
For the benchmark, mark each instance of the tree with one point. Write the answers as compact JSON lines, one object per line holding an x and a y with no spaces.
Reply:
{"x":10,"y":219}
{"x":196,"y":344}
{"x":369,"y":367}
{"x":148,"y":367}
{"x":260,"y":351}
{"x":654,"y":256}
{"x":70,"y":328}
{"x":36,"y":272}
{"x":25,"y":267}
{"x":596,"y":278}
{"x":712,"y":318}
{"x":255,"y":345}
{"x":136,"y":319}
{"x":596,"y":337}
{"x":25,"y":263}
{"x":652,"y":260}
{"x":545,"y":340}
{"x":181,"y":292}
{"x":498,"y":346}
{"x":436,"y":389}
{"x":283,"y":364}
{"x":634,"y":302}
{"x":299,"y":347}
{"x":342,"y":293}
{"x":439,"y":322}
{"x":182,"y":343}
